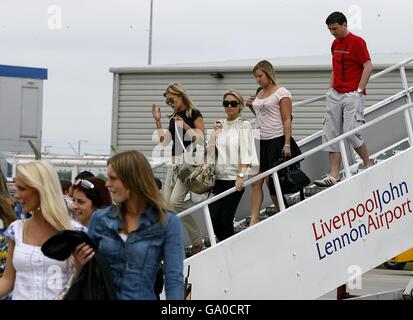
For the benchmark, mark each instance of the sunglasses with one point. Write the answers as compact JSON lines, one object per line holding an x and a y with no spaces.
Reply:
{"x":231,"y":104}
{"x":85,"y":184}
{"x":170,"y":101}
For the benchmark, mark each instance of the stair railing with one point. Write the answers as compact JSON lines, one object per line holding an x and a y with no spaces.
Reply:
{"x":408,"y":115}
{"x":340,"y":139}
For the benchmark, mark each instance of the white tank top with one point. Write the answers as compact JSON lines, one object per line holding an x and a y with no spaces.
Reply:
{"x":37,"y":276}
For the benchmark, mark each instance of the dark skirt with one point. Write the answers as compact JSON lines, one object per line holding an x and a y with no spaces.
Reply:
{"x":271,"y":152}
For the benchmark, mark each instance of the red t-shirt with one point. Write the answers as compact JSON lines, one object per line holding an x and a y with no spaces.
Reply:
{"x":349,"y":55}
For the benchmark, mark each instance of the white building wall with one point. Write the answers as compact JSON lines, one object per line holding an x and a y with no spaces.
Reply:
{"x":21,"y":113}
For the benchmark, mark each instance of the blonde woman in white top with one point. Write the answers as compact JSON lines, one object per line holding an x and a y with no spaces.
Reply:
{"x":29,"y":273}
{"x":272,"y":107}
{"x":232,"y":143}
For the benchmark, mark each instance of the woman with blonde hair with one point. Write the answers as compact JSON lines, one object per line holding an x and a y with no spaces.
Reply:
{"x":273,"y":108}
{"x":136,"y":233}
{"x":232,"y":143}
{"x":7,"y":216}
{"x":29,"y":273}
{"x":186,"y":126}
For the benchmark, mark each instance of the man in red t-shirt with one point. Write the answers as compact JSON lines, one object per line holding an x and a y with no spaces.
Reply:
{"x":345,"y":99}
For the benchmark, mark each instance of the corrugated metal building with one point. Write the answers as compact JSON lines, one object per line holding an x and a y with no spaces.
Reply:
{"x":136,"y":89}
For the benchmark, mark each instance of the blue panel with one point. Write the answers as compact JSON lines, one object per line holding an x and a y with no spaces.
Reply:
{"x":22,"y":72}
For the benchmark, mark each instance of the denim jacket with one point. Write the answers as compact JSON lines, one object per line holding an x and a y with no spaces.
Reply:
{"x":135,"y":262}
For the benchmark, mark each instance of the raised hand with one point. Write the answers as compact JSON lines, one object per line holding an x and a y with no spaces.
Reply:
{"x":217,"y":125}
{"x":156,"y":112}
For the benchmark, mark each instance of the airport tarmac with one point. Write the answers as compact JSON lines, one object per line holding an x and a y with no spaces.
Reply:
{"x":376,"y":281}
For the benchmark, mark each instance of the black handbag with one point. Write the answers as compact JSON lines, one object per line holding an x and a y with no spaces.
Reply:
{"x":292,"y":178}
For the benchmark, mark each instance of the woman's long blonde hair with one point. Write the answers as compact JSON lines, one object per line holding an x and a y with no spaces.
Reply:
{"x":266,"y":67}
{"x":135,"y":172}
{"x":178,"y":89}
{"x":41,"y":176}
{"x":7,"y":214}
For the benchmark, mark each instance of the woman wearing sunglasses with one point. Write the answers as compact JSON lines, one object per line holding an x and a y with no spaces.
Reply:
{"x":273,"y":108}
{"x":232,"y":143}
{"x":137,"y":233}
{"x":186,"y":125}
{"x":89,"y":195}
{"x":29,"y":273}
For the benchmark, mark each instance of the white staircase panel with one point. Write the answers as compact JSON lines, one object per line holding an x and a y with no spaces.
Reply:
{"x":280,"y":257}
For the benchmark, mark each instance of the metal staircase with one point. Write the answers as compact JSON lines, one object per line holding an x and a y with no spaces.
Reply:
{"x":310,"y":248}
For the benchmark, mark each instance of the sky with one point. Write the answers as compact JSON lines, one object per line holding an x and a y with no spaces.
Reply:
{"x":79,"y":40}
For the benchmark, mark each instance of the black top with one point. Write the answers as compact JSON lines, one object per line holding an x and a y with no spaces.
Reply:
{"x":176,"y":145}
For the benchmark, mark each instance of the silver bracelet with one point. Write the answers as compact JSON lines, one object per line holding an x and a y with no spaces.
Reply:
{"x":287,"y":145}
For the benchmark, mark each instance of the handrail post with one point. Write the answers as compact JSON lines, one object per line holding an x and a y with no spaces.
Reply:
{"x":344,"y":159}
{"x":404,"y":80}
{"x":210,"y":227}
{"x":278,"y":190}
{"x":408,"y":100}
{"x":408,"y":113}
{"x":14,"y":167}
{"x":408,"y":125}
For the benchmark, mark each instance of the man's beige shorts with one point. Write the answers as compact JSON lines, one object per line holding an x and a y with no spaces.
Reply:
{"x":344,"y":112}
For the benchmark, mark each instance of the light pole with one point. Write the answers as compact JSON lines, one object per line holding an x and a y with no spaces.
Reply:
{"x":150,"y":35}
{"x":78,"y":146}
{"x":46,"y":149}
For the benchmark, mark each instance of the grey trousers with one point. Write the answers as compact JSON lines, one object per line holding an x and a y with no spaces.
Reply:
{"x":174,"y":194}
